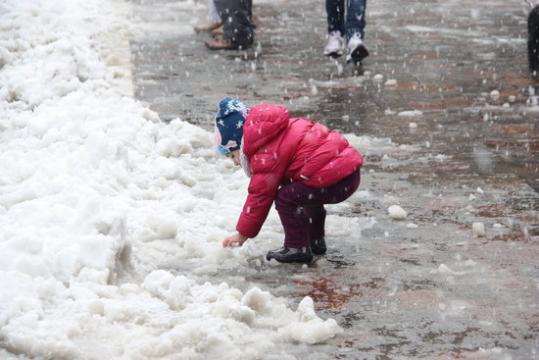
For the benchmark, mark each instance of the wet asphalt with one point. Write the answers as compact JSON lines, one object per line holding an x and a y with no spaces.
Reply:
{"x":422,"y":288}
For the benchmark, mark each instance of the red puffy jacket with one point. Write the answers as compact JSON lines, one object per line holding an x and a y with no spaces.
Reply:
{"x":281,"y":150}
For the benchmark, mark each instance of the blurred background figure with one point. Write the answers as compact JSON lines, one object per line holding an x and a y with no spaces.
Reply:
{"x":346,"y":27}
{"x":533,"y":39}
{"x":214,"y":20}
{"x":238,"y":28}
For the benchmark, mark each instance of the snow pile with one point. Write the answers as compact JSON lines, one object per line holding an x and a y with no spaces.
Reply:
{"x":167,"y":317}
{"x":95,"y":193}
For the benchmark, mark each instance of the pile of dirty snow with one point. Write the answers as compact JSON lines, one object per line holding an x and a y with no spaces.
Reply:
{"x":96,"y":192}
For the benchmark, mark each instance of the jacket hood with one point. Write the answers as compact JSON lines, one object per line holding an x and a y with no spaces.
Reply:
{"x":264,"y":123}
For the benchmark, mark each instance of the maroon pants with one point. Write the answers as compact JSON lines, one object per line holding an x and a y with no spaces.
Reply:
{"x":301,"y":208}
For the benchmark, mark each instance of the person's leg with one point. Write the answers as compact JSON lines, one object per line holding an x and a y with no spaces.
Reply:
{"x":301,"y":210}
{"x":295,"y":221}
{"x":355,"y":31}
{"x":249,"y":5}
{"x":317,"y":221}
{"x":214,"y":20}
{"x":238,"y":29}
{"x":302,"y":213}
{"x":355,"y":18}
{"x":335,"y":16}
{"x":533,"y":41}
{"x":293,"y":214}
{"x":213,"y":15}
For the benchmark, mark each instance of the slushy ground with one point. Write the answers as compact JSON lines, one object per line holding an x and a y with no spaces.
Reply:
{"x":445,"y":113}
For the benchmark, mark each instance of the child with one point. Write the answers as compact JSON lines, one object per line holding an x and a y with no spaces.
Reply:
{"x":298,"y":164}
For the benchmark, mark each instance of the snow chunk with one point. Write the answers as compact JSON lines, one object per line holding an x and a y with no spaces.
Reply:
{"x":396,"y":212}
{"x":410,"y":113}
{"x":258,"y":300}
{"x":309,"y":328}
{"x":478,"y":229}
{"x":446,"y":270}
{"x":174,"y":290}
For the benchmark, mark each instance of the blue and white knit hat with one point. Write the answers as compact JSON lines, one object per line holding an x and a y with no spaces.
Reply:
{"x":229,"y":125}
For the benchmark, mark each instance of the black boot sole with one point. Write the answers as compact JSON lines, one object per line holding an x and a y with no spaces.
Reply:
{"x":334,"y":55}
{"x":317,"y":251}
{"x":358,"y":55}
{"x":291,"y":259}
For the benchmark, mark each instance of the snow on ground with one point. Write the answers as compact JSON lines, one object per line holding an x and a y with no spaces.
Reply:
{"x":96,"y":193}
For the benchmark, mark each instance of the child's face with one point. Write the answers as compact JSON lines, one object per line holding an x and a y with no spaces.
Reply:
{"x":235,"y":157}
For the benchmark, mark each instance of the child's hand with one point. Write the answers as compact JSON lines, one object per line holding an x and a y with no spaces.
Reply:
{"x":235,"y":240}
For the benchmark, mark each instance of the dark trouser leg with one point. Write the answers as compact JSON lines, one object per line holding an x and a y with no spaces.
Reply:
{"x":355,"y":18}
{"x":237,"y":25}
{"x":250,"y":10}
{"x":335,"y":14}
{"x":533,"y":40}
{"x":317,"y":222}
{"x":293,"y":215}
{"x":301,"y":210}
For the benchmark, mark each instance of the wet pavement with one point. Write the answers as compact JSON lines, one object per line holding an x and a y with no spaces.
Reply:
{"x":449,"y":81}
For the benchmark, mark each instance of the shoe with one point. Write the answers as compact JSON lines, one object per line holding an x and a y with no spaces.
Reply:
{"x":288,"y":255}
{"x":221,"y":44}
{"x":318,"y":246}
{"x":356,"y":50}
{"x":207,"y":27}
{"x":335,"y":44}
{"x":218,"y":31}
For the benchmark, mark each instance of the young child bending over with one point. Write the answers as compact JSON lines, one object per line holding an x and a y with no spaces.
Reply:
{"x":299,"y":164}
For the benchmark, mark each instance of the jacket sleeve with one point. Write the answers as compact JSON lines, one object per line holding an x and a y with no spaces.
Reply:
{"x":261,"y":193}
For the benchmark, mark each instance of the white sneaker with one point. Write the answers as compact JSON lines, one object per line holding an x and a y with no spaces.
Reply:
{"x":356,"y":50}
{"x":334,"y":47}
